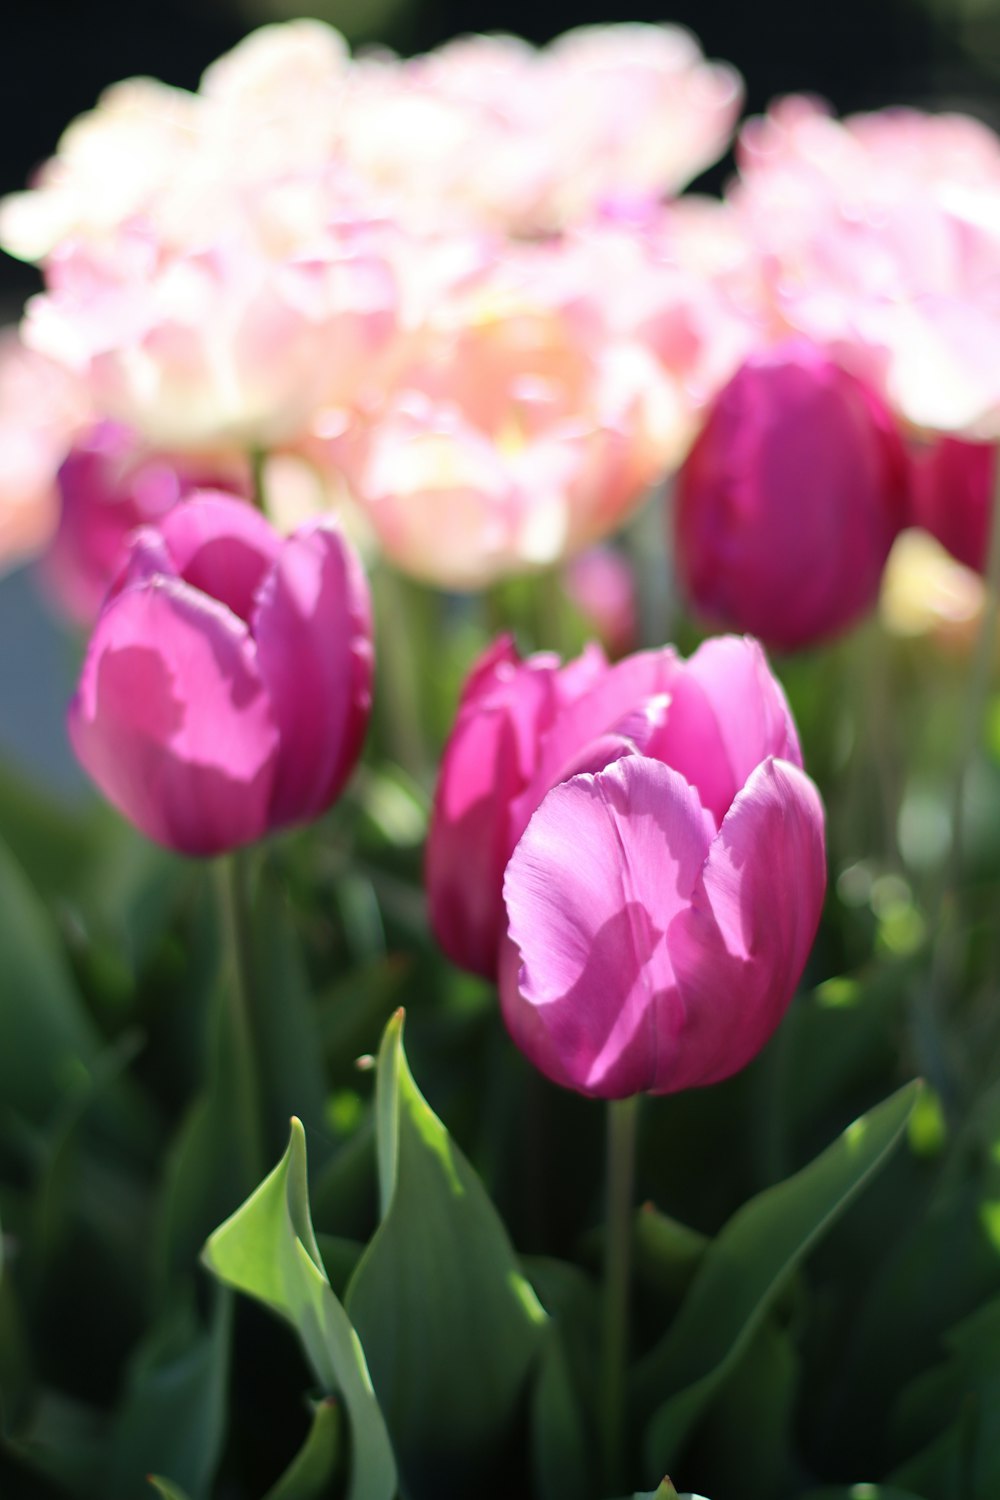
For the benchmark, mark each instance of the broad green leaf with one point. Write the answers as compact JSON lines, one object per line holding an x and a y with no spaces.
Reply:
{"x":865,"y":1492}
{"x":449,"y":1324}
{"x":173,"y":1416}
{"x":666,"y":1254}
{"x":66,"y":1442}
{"x":957,"y":1405}
{"x":268,"y":1250}
{"x":47,"y":1042}
{"x":562,"y":1461}
{"x":745,"y":1269}
{"x":165,"y":1489}
{"x":311,"y":1473}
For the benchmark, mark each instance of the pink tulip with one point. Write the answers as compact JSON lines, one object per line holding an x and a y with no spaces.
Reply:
{"x":953,"y":492}
{"x":109,"y":485}
{"x":601,"y":584}
{"x":226,"y":687}
{"x":789,"y":502}
{"x":524,"y":727}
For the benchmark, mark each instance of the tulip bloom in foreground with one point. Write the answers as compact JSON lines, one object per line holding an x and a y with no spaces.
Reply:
{"x":227,"y":684}
{"x":637,"y":851}
{"x":790,"y":499}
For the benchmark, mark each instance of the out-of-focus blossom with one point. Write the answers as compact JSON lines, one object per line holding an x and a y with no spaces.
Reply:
{"x":638,"y":851}
{"x":522,"y":429}
{"x":879,"y":236}
{"x":789,"y":501}
{"x":227,"y":683}
{"x":494,"y":131}
{"x":109,"y":485}
{"x":926,"y":593}
{"x":41,"y":409}
{"x":214,"y":349}
{"x":954,"y":489}
{"x":601,"y":584}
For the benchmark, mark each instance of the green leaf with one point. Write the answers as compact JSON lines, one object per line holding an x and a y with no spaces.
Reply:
{"x":173,"y":1416}
{"x":864,"y":1492}
{"x":311,"y":1473}
{"x":562,"y":1460}
{"x":165,"y":1489}
{"x":268,"y":1250}
{"x":47,"y":1041}
{"x":745,"y":1269}
{"x":449,"y":1324}
{"x":958,"y":1401}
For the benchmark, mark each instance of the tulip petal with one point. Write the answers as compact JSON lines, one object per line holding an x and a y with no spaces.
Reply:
{"x":491,"y":752}
{"x":727,"y":714}
{"x":172,"y":721}
{"x":605,"y":866}
{"x":222,"y":547}
{"x":312,"y":624}
{"x":739,"y":950}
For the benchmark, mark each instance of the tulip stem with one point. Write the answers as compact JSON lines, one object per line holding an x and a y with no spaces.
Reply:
{"x":946,"y":957}
{"x":622,"y":1117}
{"x":234,"y":903}
{"x":258,"y":487}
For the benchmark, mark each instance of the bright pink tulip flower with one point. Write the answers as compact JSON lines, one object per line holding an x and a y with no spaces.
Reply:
{"x":109,"y":484}
{"x":227,"y":684}
{"x":721,"y":724}
{"x":953,"y":489}
{"x":790,"y":500}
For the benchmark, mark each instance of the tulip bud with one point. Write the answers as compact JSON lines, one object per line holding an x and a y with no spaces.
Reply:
{"x":953,"y":489}
{"x":227,"y":684}
{"x":601,"y":584}
{"x":790,"y":499}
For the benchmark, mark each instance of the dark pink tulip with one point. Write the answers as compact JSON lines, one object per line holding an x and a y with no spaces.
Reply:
{"x":227,"y":684}
{"x":524,"y":727}
{"x":108,"y":485}
{"x":790,"y":499}
{"x":953,"y":490}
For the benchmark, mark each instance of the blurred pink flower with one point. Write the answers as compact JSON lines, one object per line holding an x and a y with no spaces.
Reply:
{"x":227,"y":684}
{"x":879,"y":236}
{"x":41,"y":409}
{"x":601,"y":584}
{"x":790,"y":499}
{"x":520,"y":428}
{"x":109,"y":484}
{"x":953,"y":495}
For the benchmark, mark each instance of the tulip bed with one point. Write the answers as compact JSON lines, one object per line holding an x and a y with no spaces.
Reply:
{"x":472,"y":1047}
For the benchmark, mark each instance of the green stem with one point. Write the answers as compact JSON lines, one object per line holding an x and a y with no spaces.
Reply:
{"x":232,"y":872}
{"x":947,"y":953}
{"x":622,"y":1117}
{"x":258,"y":488}
{"x":398,"y":663}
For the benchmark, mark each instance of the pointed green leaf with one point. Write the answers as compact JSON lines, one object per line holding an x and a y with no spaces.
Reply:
{"x":173,"y":1416}
{"x":311,"y":1473}
{"x":562,"y":1460}
{"x":745,"y":1268}
{"x":165,"y":1489}
{"x":449,"y":1324}
{"x":268,"y":1250}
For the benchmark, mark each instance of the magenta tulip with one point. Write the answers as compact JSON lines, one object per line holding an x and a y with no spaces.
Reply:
{"x":227,"y":683}
{"x":790,"y":499}
{"x":525,"y":727}
{"x":953,"y":497}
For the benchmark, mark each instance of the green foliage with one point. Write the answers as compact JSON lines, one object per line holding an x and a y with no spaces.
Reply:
{"x":744,"y":1270}
{"x":268,"y":1250}
{"x":449,"y":1324}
